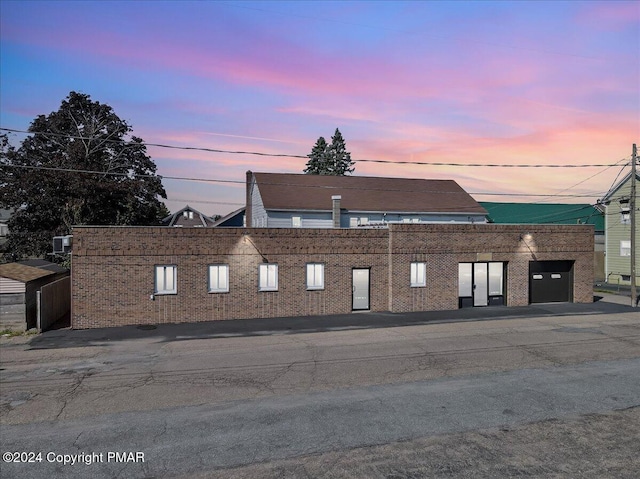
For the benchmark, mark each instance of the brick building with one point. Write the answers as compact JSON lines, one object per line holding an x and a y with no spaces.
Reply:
{"x":153,"y":275}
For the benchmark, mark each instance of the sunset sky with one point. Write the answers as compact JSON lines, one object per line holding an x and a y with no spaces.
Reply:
{"x":541,"y":82}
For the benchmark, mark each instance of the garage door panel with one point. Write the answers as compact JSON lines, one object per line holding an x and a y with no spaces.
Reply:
{"x":550,"y":281}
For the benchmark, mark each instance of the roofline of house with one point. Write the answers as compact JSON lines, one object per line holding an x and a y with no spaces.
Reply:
{"x":617,"y":186}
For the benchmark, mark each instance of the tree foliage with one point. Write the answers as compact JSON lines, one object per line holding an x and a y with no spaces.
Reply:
{"x":330,"y":159}
{"x":80,"y":166}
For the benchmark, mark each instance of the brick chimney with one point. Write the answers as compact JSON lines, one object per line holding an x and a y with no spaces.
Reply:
{"x":335,"y":213}
{"x":247,"y":212}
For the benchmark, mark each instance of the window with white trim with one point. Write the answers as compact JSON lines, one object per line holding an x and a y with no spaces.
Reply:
{"x":315,"y":276}
{"x":296,"y":221}
{"x":218,"y":278}
{"x":625,"y":215}
{"x":418,"y":274}
{"x":166,"y":281}
{"x":625,"y":248}
{"x":268,"y":277}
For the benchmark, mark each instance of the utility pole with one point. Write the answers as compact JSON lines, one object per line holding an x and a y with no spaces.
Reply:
{"x":632,"y":208}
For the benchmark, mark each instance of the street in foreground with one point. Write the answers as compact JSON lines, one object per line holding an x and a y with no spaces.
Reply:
{"x":540,"y":396}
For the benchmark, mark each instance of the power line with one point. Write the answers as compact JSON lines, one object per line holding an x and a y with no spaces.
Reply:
{"x":616,"y":179}
{"x":216,"y":180}
{"x":305,"y":157}
{"x":593,"y":176}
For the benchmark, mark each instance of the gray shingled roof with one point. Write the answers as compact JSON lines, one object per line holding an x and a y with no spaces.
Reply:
{"x":367,"y":194}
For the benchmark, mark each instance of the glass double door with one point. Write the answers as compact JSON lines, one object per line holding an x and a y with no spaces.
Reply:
{"x":480,"y":284}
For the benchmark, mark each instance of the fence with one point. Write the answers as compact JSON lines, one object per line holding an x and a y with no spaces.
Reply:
{"x":54,"y":302}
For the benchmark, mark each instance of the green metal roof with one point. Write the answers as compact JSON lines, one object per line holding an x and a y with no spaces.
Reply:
{"x":544,"y":213}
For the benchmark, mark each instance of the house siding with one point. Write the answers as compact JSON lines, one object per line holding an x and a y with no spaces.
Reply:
{"x":283,"y":219}
{"x":8,"y":286}
{"x":616,"y":265}
{"x":113,"y":268}
{"x":258,"y":213}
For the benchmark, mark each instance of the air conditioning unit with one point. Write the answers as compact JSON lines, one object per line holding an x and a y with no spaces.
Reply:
{"x":62,"y":244}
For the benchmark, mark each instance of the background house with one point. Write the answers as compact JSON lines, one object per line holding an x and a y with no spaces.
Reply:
{"x":234,"y":219}
{"x":188,"y":217}
{"x":276,"y":200}
{"x":555,"y":214}
{"x":618,"y":233}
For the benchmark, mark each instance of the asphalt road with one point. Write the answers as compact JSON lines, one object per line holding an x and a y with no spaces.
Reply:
{"x":216,"y":406}
{"x":191,"y":439}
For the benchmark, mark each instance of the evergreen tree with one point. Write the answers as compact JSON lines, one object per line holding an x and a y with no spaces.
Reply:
{"x":338,"y":156}
{"x":116,"y":185}
{"x":317,"y":164}
{"x":333,"y":159}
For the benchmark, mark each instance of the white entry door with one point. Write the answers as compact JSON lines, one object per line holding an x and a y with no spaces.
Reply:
{"x":480,"y":284}
{"x":360,"y":286}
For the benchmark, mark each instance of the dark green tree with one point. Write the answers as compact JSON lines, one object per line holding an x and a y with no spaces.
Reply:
{"x":333,"y":159}
{"x":80,"y":166}
{"x":317,"y":164}
{"x":338,"y":156}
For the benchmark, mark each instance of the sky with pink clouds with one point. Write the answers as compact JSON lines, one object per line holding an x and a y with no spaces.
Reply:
{"x":539,"y":82}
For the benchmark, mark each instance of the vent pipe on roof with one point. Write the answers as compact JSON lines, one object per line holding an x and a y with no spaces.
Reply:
{"x":335,"y":213}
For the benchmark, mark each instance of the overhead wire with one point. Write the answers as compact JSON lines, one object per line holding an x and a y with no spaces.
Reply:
{"x":287,"y":155}
{"x":240,"y":182}
{"x":596,"y":174}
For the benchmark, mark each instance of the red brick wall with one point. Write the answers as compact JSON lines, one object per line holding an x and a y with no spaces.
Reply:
{"x":113,"y":273}
{"x":113,"y":268}
{"x":443,"y":246}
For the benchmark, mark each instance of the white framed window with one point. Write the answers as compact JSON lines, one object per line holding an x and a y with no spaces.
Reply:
{"x":418,"y":274}
{"x":625,"y":248}
{"x":218,"y":278}
{"x":315,"y":276}
{"x":465,"y":280}
{"x":268,"y":277}
{"x":363,"y":220}
{"x":353,"y":222}
{"x":166,"y":280}
{"x":625,"y":215}
{"x":496,"y":279}
{"x":296,"y":221}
